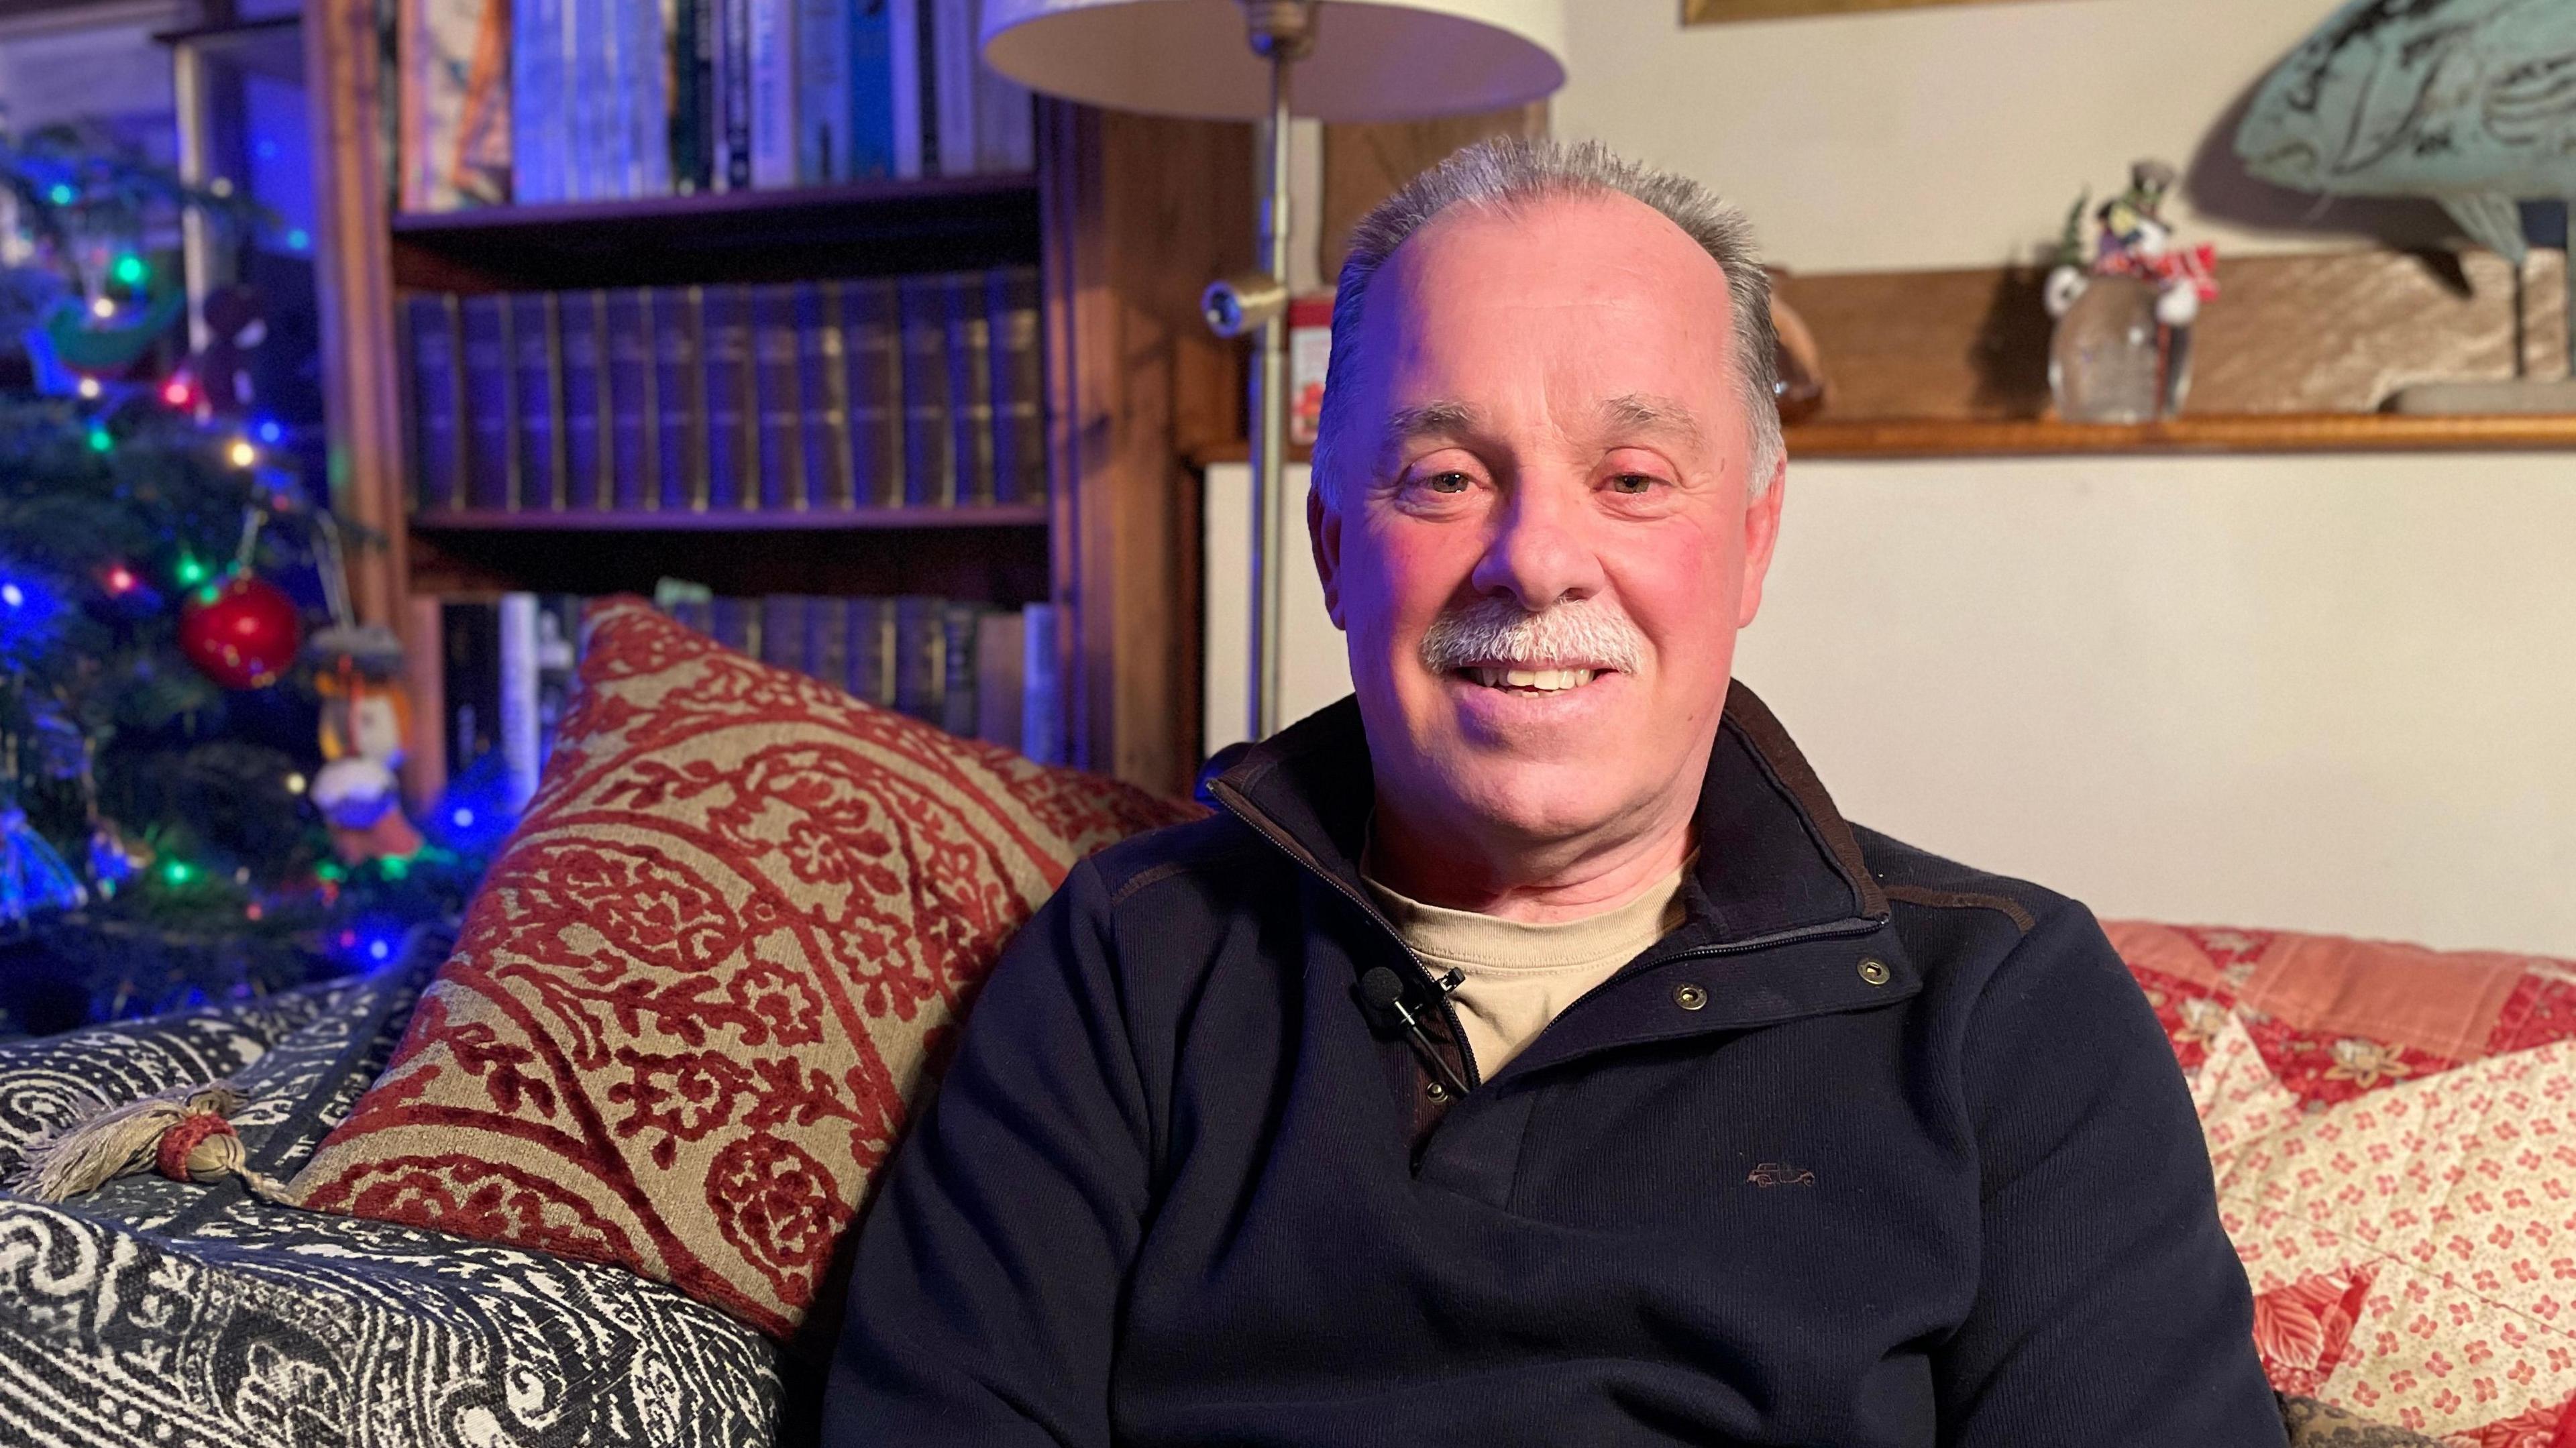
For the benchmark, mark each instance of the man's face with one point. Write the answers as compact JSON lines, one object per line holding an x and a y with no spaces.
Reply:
{"x":1546,"y":478}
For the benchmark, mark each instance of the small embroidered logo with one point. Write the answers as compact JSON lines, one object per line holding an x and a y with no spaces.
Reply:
{"x":1780,"y":1174}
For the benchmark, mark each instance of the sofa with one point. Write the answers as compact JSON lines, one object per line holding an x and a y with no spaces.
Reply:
{"x":2392,"y":1129}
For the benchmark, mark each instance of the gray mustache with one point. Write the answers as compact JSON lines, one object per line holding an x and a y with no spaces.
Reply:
{"x":1579,"y":634}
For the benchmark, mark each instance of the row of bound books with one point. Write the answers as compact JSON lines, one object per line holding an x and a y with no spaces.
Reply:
{"x":919,"y":391}
{"x":975,"y":670}
{"x":587,"y":100}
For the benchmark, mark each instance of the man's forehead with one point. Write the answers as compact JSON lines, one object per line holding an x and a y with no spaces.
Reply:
{"x":1626,"y":412}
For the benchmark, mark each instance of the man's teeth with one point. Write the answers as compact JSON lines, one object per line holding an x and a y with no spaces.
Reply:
{"x":1544,"y":680}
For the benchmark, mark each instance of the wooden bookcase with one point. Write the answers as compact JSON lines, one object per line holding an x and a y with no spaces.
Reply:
{"x":1125,"y":217}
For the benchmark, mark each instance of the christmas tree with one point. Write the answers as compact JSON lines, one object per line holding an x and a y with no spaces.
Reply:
{"x":166,"y":725}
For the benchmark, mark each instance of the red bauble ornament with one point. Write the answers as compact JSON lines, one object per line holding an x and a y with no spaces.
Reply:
{"x":243,"y":634}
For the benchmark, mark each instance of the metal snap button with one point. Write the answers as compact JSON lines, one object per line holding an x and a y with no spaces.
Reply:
{"x":1435,"y":1091}
{"x":1874,"y":971}
{"x":1689,"y":997}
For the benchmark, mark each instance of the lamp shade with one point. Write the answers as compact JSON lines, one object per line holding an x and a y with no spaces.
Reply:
{"x":1374,"y":60}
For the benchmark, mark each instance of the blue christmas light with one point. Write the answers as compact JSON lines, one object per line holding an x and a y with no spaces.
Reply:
{"x":463,"y":816}
{"x":269,"y":431}
{"x":379,"y":948}
{"x":298,"y":239}
{"x":16,"y":597}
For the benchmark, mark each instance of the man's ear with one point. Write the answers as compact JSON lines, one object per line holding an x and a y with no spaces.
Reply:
{"x":1761,"y":534}
{"x":1324,"y":531}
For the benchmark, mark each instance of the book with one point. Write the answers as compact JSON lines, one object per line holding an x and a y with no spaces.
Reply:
{"x":950,"y":107}
{"x":773,"y":93}
{"x":1042,"y":734}
{"x":823,"y":386}
{"x":632,"y":409}
{"x":735,"y":623}
{"x":483,"y":322}
{"x":536,"y":100}
{"x":733,"y":90}
{"x":871,"y":125}
{"x":469,"y":634}
{"x":536,"y":371}
{"x":1005,"y":116}
{"x":827,"y":641}
{"x":688,"y":40}
{"x":732,"y":432}
{"x":677,"y":323}
{"x":929,"y":448}
{"x":920,"y":666}
{"x":1018,"y":386}
{"x":457,"y":95}
{"x":968,"y":344}
{"x":437,"y":392}
{"x":959,"y":624}
{"x":872,"y":364}
{"x":589,"y":98}
{"x":783,"y":630}
{"x":580,"y":324}
{"x":872,"y":651}
{"x":821,"y":64}
{"x":906,"y":96}
{"x":778,"y":401}
{"x":643,"y":86}
{"x":517,"y":728}
{"x":1000,"y":656}
{"x":558,"y":665}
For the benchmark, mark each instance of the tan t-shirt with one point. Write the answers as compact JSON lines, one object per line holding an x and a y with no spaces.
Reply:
{"x":1517,"y":976}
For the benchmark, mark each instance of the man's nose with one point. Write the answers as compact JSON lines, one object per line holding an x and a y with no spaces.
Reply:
{"x":1541,"y":551}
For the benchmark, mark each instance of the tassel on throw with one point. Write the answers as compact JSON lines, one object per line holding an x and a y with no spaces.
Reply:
{"x":184,"y":1133}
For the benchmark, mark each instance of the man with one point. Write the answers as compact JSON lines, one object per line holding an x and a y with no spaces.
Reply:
{"x":1528,"y":1052}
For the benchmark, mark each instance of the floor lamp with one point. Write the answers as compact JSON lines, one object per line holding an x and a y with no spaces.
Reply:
{"x":1266,"y":61}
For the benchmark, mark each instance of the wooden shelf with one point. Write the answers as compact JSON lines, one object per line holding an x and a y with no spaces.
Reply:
{"x":2248,"y":433}
{"x":2316,"y":432}
{"x":765,"y":206}
{"x":855,"y":520}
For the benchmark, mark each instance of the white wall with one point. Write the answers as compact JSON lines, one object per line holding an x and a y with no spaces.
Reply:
{"x":1950,"y":137}
{"x":2330,"y":696}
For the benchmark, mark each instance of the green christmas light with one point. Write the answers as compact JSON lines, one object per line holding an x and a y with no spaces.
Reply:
{"x":62,"y":194}
{"x":176,"y":873}
{"x":329,"y":871}
{"x":190,"y":572}
{"x":395,"y":867}
{"x":99,"y":441}
{"x":130,"y":270}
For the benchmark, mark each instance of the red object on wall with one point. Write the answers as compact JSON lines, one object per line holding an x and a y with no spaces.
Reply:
{"x":242,"y":636}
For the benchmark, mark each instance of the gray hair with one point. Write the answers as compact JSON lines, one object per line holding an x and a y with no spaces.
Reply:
{"x":1508,"y":173}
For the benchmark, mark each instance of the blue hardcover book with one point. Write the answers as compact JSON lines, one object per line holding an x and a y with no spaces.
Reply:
{"x":589,"y":81}
{"x":970,"y":385}
{"x":777,"y":397}
{"x":642,"y":57}
{"x":907,"y":86}
{"x":679,"y":386}
{"x":1018,"y":355}
{"x":929,"y":446}
{"x":871,"y":124}
{"x":733,"y":89}
{"x":783,"y":630}
{"x":822,"y":383}
{"x":733,"y":418}
{"x":632,"y":409}
{"x":580,"y":324}
{"x":872,"y":651}
{"x":872,"y":372}
{"x":536,"y":373}
{"x":773,"y":93}
{"x":688,"y":34}
{"x":534,"y":97}
{"x":821,"y":75}
{"x":437,"y":403}
{"x":491,"y":464}
{"x":827,"y":641}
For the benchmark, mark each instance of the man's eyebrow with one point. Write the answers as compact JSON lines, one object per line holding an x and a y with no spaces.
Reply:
{"x":1635,"y":412}
{"x":1432,"y":419}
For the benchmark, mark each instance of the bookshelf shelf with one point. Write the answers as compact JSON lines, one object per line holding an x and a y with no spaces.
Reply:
{"x":891,"y":200}
{"x":854,"y":520}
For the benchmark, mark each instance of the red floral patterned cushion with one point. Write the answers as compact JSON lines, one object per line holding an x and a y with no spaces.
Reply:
{"x":729,"y":940}
{"x":2393,"y":1132}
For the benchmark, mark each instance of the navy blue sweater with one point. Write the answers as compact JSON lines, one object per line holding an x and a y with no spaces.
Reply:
{"x":1872,"y":1149}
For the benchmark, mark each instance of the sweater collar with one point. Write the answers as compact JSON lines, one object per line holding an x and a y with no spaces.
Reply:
{"x":1775,"y":856}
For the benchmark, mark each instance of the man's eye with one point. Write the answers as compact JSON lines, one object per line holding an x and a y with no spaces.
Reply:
{"x":1448,"y":482}
{"x":1633,"y":483}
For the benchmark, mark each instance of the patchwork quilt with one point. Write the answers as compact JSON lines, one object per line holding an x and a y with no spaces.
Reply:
{"x":160,"y":1312}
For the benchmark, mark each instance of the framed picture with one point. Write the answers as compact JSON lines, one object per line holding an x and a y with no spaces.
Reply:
{"x":1718,"y":12}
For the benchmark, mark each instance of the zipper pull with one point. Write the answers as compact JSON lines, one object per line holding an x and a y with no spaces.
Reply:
{"x":1448,"y":984}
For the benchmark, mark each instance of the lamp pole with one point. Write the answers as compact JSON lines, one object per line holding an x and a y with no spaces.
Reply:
{"x":1281,"y":32}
